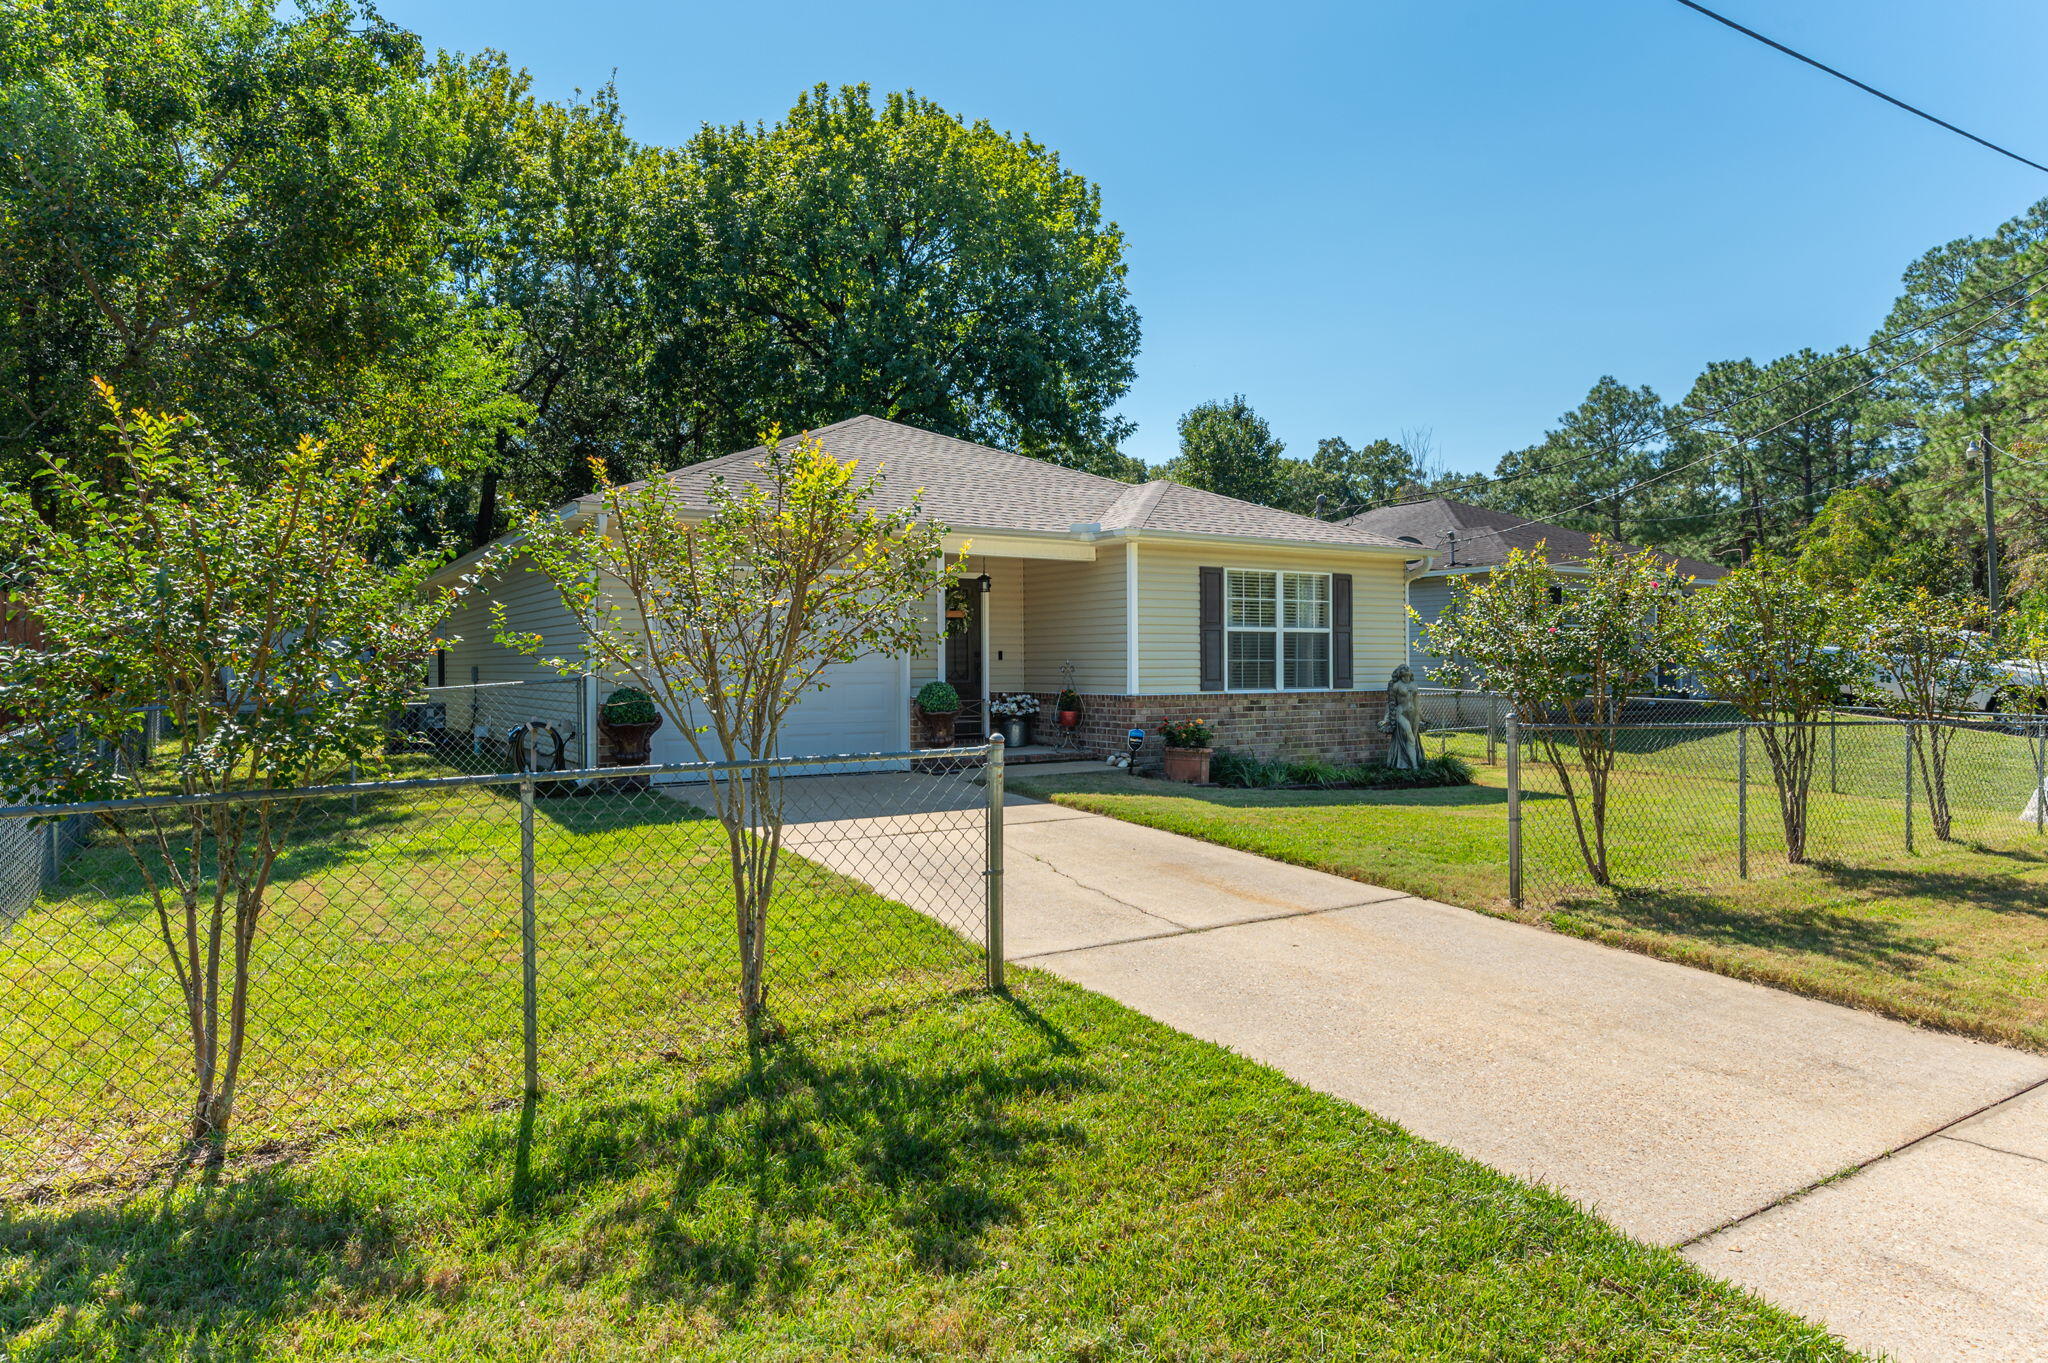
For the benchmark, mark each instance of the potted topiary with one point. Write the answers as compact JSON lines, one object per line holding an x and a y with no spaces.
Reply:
{"x":1016,"y":711}
{"x":937,"y":704}
{"x":626,"y":721}
{"x":1068,"y":707}
{"x":1187,"y":750}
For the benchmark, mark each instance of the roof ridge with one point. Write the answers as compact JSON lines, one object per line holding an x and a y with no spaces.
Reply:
{"x":1131,"y":508}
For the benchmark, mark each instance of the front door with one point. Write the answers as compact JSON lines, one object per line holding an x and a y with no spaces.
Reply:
{"x":964,"y":661}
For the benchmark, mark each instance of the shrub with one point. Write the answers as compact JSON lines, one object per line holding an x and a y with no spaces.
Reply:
{"x":1245,"y":772}
{"x":1187,"y":733}
{"x":1239,"y":769}
{"x":938,"y":698}
{"x":628,"y":705}
{"x":1316,"y":771}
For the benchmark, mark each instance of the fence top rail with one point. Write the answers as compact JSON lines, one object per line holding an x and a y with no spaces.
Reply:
{"x":966,"y":752}
{"x":1981,"y":722}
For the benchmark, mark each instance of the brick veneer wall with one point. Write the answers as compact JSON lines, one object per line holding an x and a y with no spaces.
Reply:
{"x":1343,"y":726}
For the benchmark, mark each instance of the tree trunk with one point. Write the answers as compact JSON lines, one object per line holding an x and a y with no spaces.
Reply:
{"x":485,"y":528}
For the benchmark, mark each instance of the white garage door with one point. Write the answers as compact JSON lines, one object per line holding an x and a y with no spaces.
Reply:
{"x":863,"y":708}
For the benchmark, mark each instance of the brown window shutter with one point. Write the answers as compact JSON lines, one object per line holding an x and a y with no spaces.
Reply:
{"x":1340,"y":632}
{"x":1212,"y":629}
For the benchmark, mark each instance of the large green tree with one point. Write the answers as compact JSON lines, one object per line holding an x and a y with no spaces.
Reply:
{"x":1587,"y":473}
{"x":1341,"y":478}
{"x":236,"y":212}
{"x":888,"y":258}
{"x":1227,"y":447}
{"x":546,"y":257}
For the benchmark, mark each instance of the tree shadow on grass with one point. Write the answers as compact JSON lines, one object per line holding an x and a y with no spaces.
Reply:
{"x":1711,"y":920}
{"x":2007,"y":893}
{"x":208,"y":1267}
{"x":773,"y":1164}
{"x":729,"y":1200}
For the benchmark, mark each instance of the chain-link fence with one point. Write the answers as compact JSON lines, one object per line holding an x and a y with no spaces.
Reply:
{"x":479,"y":728}
{"x":430,"y":944}
{"x":1707,"y":804}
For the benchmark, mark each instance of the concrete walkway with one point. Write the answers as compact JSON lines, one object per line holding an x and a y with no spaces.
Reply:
{"x":1688,"y":1109}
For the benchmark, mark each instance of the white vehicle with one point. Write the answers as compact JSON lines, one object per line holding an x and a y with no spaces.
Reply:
{"x":2016,"y":688}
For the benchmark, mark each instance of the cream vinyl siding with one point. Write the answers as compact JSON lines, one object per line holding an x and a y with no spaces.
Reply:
{"x":1005,"y":611}
{"x":1075,"y":613}
{"x":531,"y":605}
{"x":1170,"y":604}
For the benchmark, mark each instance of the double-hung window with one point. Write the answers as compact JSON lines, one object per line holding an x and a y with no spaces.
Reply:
{"x":1276,"y":630}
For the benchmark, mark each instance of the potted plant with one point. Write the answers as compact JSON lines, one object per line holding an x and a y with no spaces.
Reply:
{"x":1187,"y":750}
{"x":1016,"y":711}
{"x":937,"y":704}
{"x":1069,"y":708}
{"x":627,"y":720}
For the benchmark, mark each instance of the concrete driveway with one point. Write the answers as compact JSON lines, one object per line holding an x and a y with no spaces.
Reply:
{"x":1688,"y":1109}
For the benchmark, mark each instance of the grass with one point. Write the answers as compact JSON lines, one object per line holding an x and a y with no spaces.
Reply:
{"x":1954,"y":935}
{"x":387,"y":973}
{"x":913,"y":1170}
{"x":1045,"y":1176}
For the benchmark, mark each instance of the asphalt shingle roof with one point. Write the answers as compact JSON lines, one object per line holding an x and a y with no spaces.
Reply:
{"x":979,"y":487}
{"x":1485,"y":536}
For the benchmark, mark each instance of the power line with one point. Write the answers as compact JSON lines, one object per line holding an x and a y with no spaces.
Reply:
{"x":1867,"y":89}
{"x":1756,"y":435}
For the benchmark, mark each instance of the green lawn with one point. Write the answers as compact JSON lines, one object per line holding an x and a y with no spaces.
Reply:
{"x":916,"y":1169}
{"x":1044,"y":1177}
{"x":387,"y":972}
{"x":1954,"y":935}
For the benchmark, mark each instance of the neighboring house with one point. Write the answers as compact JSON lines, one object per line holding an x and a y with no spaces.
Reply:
{"x":1467,"y":540}
{"x":1169,"y":602}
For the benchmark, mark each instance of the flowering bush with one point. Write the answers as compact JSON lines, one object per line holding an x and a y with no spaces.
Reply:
{"x":1016,"y":705}
{"x":1187,"y":733}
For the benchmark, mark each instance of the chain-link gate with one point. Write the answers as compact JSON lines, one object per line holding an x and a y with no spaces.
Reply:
{"x":430,"y":944}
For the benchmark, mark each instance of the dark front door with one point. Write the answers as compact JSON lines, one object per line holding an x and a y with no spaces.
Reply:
{"x":963,"y":655}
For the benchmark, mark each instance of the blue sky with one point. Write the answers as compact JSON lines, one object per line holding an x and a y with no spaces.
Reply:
{"x":1449,"y":215}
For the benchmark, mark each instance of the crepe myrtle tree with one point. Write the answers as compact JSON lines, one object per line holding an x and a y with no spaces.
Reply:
{"x":256,"y":619}
{"x":1938,"y":657}
{"x":1566,"y":656}
{"x":1783,"y":650}
{"x":729,"y":618}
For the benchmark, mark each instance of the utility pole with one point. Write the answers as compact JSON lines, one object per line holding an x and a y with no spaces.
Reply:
{"x":1990,"y":526}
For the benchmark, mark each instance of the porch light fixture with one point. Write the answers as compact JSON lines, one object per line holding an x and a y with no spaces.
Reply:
{"x":983,"y":583}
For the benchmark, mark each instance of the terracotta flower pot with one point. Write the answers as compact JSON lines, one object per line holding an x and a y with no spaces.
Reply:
{"x":1070,"y":719}
{"x":1188,"y":764}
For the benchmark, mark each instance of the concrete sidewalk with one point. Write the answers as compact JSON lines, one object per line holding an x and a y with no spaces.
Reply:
{"x":1688,"y":1109}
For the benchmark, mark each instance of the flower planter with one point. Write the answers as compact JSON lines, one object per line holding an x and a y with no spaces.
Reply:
{"x":938,"y":727}
{"x":626,"y":745}
{"x":1188,"y":764}
{"x":1016,"y":732}
{"x":1070,"y":719}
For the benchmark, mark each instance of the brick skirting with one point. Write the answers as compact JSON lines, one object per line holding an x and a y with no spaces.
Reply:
{"x":1342,"y":726}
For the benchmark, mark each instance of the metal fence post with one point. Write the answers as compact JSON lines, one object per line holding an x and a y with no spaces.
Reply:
{"x":1742,"y":801}
{"x":1908,"y":731}
{"x":1492,"y":723}
{"x":1513,"y":733}
{"x":2040,"y":775}
{"x":529,"y":954}
{"x":1834,"y":727}
{"x":992,"y":871}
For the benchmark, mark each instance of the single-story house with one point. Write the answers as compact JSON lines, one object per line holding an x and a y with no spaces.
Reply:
{"x":1167,"y":602}
{"x":1456,"y":540}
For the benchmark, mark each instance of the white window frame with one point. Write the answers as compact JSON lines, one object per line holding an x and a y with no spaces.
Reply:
{"x":1279,"y":630}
